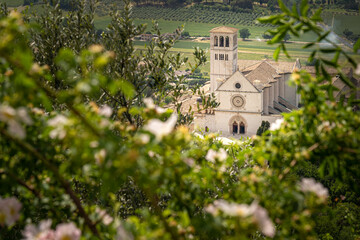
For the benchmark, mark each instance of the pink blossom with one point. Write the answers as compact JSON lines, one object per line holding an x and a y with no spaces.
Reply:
{"x":105,"y":111}
{"x":211,"y":155}
{"x":67,"y":231}
{"x":9,"y":211}
{"x":258,"y":213}
{"x":41,"y":232}
{"x":310,"y":185}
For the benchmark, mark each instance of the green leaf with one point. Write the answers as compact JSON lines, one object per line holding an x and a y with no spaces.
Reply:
{"x":328,"y":50}
{"x":317,"y":16}
{"x":309,"y":45}
{"x":278,"y":37}
{"x":329,"y":63}
{"x":311,"y":57}
{"x":127,"y":89}
{"x":295,"y":11}
{"x":284,"y":8}
{"x":284,"y":50}
{"x":322,"y":37}
{"x":325,"y":73}
{"x":304,"y":7}
{"x":346,"y":80}
{"x":268,"y":19}
{"x":277,"y":52}
{"x":357,"y":46}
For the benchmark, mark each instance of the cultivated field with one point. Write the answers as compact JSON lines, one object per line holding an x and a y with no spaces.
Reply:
{"x":247,"y":50}
{"x":341,"y":22}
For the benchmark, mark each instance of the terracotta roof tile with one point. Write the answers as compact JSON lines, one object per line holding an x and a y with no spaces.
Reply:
{"x":224,"y":29}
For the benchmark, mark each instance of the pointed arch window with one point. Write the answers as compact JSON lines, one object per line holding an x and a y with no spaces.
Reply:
{"x":227,"y":42}
{"x":221,"y":41}
{"x":242,"y":128}
{"x":216,"y":41}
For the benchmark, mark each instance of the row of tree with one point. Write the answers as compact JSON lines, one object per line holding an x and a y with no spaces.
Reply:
{"x":64,"y":4}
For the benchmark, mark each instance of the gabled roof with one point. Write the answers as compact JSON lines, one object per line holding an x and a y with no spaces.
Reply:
{"x":236,"y":77}
{"x":262,"y":72}
{"x":224,"y":29}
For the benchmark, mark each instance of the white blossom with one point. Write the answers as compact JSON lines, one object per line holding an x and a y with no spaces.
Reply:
{"x":100,"y":156}
{"x":262,"y":218}
{"x":225,"y":141}
{"x":16,"y":129}
{"x":149,"y":102}
{"x":7,"y":113}
{"x":277,"y":124}
{"x":310,"y":185}
{"x":198,"y":135}
{"x":357,"y":71}
{"x":9,"y":211}
{"x":160,"y":128}
{"x":189,"y":161}
{"x":106,"y":218}
{"x":254,"y":210}
{"x":105,"y":111}
{"x":13,"y":118}
{"x":67,"y":231}
{"x":144,"y":138}
{"x":58,"y":123}
{"x":42,"y":232}
{"x":211,"y":155}
{"x":122,"y":234}
{"x":24,"y":116}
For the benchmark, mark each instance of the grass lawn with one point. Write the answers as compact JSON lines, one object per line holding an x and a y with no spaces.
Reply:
{"x":12,"y":3}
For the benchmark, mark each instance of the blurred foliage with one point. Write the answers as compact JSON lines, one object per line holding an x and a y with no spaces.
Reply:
{"x":76,"y":136}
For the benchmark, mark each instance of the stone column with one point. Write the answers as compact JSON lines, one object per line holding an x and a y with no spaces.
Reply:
{"x":266,"y":100}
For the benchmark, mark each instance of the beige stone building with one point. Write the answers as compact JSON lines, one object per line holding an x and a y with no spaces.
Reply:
{"x":249,"y":92}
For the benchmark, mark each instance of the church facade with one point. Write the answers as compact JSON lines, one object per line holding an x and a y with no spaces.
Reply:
{"x":248,"y":94}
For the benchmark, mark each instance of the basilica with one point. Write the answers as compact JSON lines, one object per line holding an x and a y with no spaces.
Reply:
{"x":249,"y":92}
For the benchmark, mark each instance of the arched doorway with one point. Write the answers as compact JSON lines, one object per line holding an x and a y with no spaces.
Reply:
{"x":242,"y":128}
{"x":235,"y":128}
{"x":237,"y":125}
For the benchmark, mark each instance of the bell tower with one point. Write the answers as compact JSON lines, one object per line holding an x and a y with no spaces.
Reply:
{"x":223,"y":54}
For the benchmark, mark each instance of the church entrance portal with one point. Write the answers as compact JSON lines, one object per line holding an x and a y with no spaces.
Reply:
{"x":237,"y":125}
{"x":235,"y":128}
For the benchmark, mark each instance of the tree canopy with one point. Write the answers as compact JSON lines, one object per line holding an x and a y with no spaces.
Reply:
{"x":244,"y":33}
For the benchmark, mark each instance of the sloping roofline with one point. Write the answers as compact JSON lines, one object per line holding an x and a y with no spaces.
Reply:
{"x":224,"y":29}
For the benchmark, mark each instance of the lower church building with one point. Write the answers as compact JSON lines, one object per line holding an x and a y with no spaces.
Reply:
{"x":249,"y":92}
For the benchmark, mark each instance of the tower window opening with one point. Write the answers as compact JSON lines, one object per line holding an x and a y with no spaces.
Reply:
{"x":216,"y":57}
{"x":226,"y":57}
{"x":221,"y":41}
{"x":227,"y":42}
{"x":216,"y":41}
{"x":221,"y":56}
